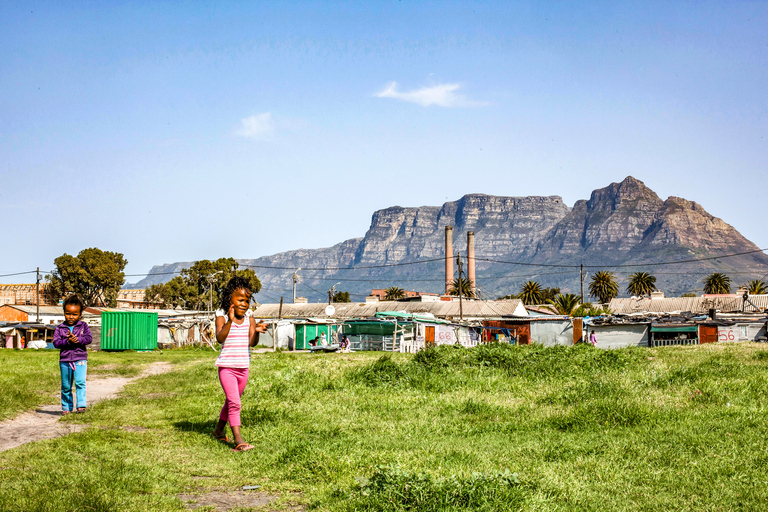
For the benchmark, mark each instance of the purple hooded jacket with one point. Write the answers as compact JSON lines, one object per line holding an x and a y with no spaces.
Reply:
{"x":71,"y":352}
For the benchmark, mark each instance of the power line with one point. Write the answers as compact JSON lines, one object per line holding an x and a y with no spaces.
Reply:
{"x":625,"y":265}
{"x":19,"y":273}
{"x":152,"y":274}
{"x":322,"y":269}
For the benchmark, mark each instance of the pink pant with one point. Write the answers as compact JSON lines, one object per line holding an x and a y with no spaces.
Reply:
{"x":233,"y":380}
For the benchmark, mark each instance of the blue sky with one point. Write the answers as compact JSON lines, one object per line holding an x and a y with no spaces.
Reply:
{"x":181,"y":131}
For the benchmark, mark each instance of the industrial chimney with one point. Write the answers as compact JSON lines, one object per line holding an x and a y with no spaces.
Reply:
{"x":448,"y":258}
{"x":471,"y":262}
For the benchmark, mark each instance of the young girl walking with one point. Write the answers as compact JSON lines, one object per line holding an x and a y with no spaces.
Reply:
{"x":71,"y":338}
{"x":237,"y":332}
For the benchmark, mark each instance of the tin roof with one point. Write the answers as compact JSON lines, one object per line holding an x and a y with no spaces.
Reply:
{"x":440,"y":309}
{"x":44,"y":310}
{"x":696,"y":305}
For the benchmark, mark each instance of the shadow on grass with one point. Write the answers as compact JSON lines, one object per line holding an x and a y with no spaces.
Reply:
{"x":201,"y":427}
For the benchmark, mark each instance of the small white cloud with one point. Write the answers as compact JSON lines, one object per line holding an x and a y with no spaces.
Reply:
{"x":265,"y":126}
{"x":442,"y":95}
{"x":257,"y":127}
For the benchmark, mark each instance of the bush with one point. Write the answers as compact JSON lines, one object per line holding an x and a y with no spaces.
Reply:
{"x":390,"y":488}
{"x":383,"y":371}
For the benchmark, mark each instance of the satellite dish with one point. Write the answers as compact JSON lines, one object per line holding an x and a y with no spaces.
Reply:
{"x":329,"y":310}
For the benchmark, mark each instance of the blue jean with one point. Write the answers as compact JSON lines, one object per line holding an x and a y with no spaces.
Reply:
{"x":73,"y":372}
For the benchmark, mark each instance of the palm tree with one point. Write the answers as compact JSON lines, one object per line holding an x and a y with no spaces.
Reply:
{"x":394,"y":293}
{"x":756,"y":287}
{"x":717,"y":283}
{"x":466,"y":288}
{"x":603,"y":285}
{"x":565,"y":303}
{"x":531,"y":293}
{"x":641,"y":283}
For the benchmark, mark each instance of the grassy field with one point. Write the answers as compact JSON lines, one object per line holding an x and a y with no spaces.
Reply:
{"x":493,"y":428}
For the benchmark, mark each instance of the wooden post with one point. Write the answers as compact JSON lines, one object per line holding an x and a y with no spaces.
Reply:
{"x":37,"y":294}
{"x":274,"y":327}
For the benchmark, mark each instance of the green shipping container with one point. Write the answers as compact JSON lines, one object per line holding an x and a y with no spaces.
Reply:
{"x":306,"y":332}
{"x":128,"y":330}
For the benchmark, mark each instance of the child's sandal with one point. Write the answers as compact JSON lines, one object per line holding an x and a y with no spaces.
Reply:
{"x":81,"y":409}
{"x":243,"y":447}
{"x":223,"y":438}
{"x":64,"y":413}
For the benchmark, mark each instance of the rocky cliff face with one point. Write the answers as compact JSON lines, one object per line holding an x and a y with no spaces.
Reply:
{"x":613,"y":221}
{"x":623,"y":223}
{"x":503,"y":226}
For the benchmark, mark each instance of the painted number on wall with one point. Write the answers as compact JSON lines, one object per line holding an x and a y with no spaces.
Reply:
{"x":445,"y":336}
{"x":726,"y":335}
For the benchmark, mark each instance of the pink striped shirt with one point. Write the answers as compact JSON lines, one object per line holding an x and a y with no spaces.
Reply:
{"x":236,"y":353}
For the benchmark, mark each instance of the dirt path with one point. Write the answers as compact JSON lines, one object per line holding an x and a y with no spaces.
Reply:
{"x":43,"y":423}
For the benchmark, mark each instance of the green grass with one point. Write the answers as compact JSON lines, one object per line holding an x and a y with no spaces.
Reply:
{"x":31,"y":378}
{"x":493,"y":428}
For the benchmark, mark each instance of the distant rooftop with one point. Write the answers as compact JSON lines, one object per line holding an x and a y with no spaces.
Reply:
{"x":440,"y":309}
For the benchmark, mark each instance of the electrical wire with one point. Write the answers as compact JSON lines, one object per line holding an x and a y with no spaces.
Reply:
{"x":323,"y":269}
{"x":625,"y":265}
{"x":19,"y":273}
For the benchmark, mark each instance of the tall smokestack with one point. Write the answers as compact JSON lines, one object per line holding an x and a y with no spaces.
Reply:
{"x":471,"y":261}
{"x":448,"y":257}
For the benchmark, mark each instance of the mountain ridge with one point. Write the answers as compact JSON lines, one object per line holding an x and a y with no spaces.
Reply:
{"x":623,"y":223}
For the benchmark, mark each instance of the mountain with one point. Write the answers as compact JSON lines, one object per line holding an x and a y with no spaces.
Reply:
{"x":622,"y":224}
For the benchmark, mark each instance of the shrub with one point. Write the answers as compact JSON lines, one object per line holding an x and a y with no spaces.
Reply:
{"x":390,"y":488}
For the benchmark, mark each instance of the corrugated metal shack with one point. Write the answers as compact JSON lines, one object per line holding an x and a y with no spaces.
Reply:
{"x":547,"y":330}
{"x":446,"y":310}
{"x":691,"y":320}
{"x":394,"y":331}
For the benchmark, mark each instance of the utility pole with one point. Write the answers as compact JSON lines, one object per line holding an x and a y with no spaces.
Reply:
{"x":210,"y":291}
{"x":295,"y":280}
{"x":37,"y":294}
{"x":461,"y":295}
{"x":331,"y":292}
{"x":582,"y":283}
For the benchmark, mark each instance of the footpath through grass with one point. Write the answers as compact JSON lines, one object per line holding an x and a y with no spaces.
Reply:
{"x":493,"y":428}
{"x":31,"y":378}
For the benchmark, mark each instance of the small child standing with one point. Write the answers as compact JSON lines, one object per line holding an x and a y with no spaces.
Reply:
{"x":71,"y":338}
{"x":237,"y":332}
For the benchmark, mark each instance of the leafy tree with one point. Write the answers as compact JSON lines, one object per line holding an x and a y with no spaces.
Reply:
{"x":565,"y":303}
{"x":590,"y":310}
{"x":756,"y":287}
{"x":531,"y":293}
{"x":603,"y":285}
{"x":549,"y":294}
{"x":641,"y":283}
{"x":466,"y":288}
{"x":394,"y":293}
{"x":200,"y":284}
{"x":94,"y":274}
{"x":341,"y":297}
{"x":154,"y":293}
{"x":717,"y":283}
{"x":688,"y":294}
